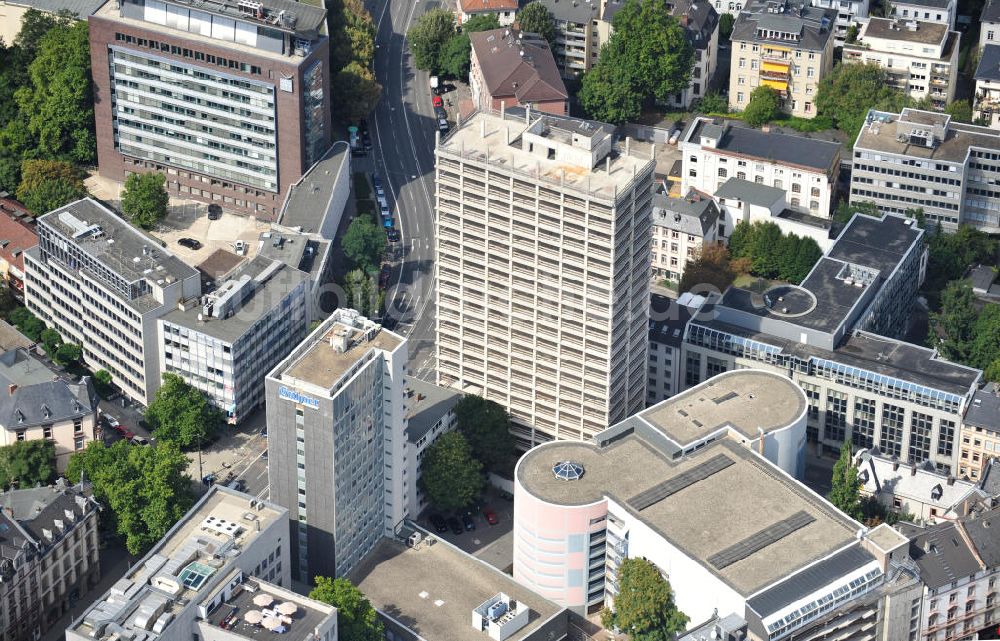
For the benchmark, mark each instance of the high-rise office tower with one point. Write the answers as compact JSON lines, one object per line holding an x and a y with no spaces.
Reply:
{"x":542,"y":270}
{"x":336,"y":442}
{"x":226,"y":98}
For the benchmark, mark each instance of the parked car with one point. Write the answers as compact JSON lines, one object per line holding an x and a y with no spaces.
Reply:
{"x":377,"y":181}
{"x":208,"y":479}
{"x":437,"y":101}
{"x":139,"y":440}
{"x":214,"y":212}
{"x":491,"y":516}
{"x":469,"y":524}
{"x":112,"y":421}
{"x":239,"y":485}
{"x":190,"y":243}
{"x":241,"y":247}
{"x":439,"y":524}
{"x":393,"y":235}
{"x":454,"y":525}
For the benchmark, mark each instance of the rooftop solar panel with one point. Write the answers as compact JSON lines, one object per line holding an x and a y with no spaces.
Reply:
{"x":760,"y":540}
{"x":658,"y":492}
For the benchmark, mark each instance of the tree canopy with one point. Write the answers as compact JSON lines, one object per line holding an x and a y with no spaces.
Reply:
{"x":711,"y":269}
{"x":847,"y":93}
{"x":644,"y":607}
{"x":646,"y":60}
{"x":450,"y":476}
{"x":726,"y":22}
{"x":364,"y":244}
{"x":773,"y":254}
{"x":966,"y":331}
{"x":960,"y":111}
{"x":763,"y":106}
{"x":49,"y":184}
{"x":428,"y":36}
{"x":352,"y":54}
{"x":845,"y":491}
{"x":486,"y":426}
{"x":145,"y":199}
{"x":356,"y":618}
{"x":357,"y":91}
{"x":534,"y":17}
{"x":182,"y":413}
{"x":146,"y":488}
{"x":68,"y":353}
{"x":26,"y":464}
{"x":27,"y":323}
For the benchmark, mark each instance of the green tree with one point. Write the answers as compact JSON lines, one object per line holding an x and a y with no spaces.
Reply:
{"x":48,"y":184}
{"x":450,"y":476}
{"x":364,"y":244}
{"x":960,"y":111}
{"x":984,"y":348}
{"x":68,"y":353}
{"x":847,"y":93}
{"x":455,"y":57}
{"x":146,"y":488}
{"x":763,"y":107}
{"x":645,"y":607}
{"x":486,"y":426}
{"x":103,"y":377}
{"x":711,"y":269}
{"x":726,"y":22}
{"x":852,"y":34}
{"x":357,"y":620}
{"x":846,"y":210}
{"x":357,"y":92}
{"x":951,"y":328}
{"x":145,"y":199}
{"x":534,"y":17}
{"x":28,"y":324}
{"x":482,"y":22}
{"x":845,"y":488}
{"x":58,"y":100}
{"x":8,"y":300}
{"x":183,"y":414}
{"x":26,"y":464}
{"x":428,"y":36}
{"x":51,"y":340}
{"x":608,"y":96}
{"x":712,"y":102}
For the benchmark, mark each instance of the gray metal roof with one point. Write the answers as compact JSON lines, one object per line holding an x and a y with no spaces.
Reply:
{"x":942,"y":555}
{"x":428,"y":405}
{"x":984,"y":410}
{"x":991,"y":12}
{"x":989,"y":62}
{"x":812,"y":24}
{"x":578,"y":11}
{"x":36,"y":509}
{"x":982,"y":529}
{"x":799,"y":150}
{"x":667,"y":320}
{"x":35,"y":395}
{"x":308,"y":200}
{"x":79,"y":8}
{"x":809,"y":580}
{"x":686,"y":215}
{"x":750,"y":192}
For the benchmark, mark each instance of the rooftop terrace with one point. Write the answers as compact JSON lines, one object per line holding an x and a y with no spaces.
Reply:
{"x":880,"y":134}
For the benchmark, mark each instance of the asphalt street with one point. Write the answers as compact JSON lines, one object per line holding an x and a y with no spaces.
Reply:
{"x":403,"y":132}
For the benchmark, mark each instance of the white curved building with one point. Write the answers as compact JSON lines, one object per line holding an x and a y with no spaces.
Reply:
{"x":701,"y":486}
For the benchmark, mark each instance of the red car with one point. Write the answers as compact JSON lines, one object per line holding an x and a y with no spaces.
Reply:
{"x":437,"y":101}
{"x":490,"y":516}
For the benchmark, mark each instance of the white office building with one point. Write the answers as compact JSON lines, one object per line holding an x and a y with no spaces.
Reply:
{"x":103,"y":284}
{"x":221,"y":342}
{"x":222,"y":573}
{"x":337,"y":442}
{"x":542,"y":270}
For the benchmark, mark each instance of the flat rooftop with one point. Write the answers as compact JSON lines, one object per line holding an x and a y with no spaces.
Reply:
{"x":501,"y":149}
{"x":881,"y":136}
{"x":984,"y":410}
{"x":308,"y":200}
{"x":888,"y":29}
{"x":119,"y":246}
{"x":742,"y":495}
{"x":270,"y":287}
{"x":743,"y":400}
{"x":185,"y":565}
{"x":300,"y":626}
{"x":334,"y":348}
{"x":427,"y":405}
{"x":868,"y":248}
{"x":307,"y":15}
{"x":433,"y":589}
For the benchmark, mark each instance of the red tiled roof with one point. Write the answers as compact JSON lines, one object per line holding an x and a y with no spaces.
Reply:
{"x":479,"y":6}
{"x":15,"y":236}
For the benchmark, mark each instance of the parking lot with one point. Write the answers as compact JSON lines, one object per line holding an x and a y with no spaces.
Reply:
{"x":190,"y":220}
{"x":491,"y":543}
